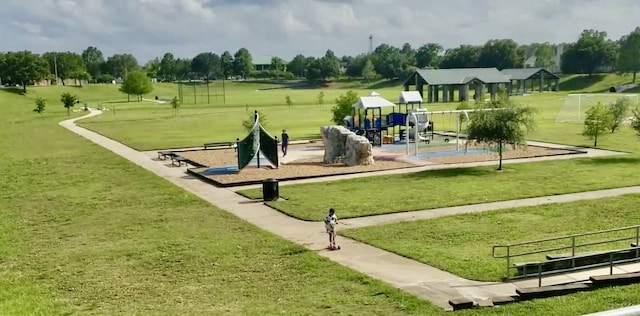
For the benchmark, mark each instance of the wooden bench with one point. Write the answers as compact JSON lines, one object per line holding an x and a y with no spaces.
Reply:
{"x":163,"y":155}
{"x":179,"y":161}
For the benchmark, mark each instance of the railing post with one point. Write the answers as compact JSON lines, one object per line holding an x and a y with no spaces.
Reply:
{"x":573,"y":251}
{"x":508,"y":261}
{"x":611,"y":263}
{"x":637,"y":240}
{"x":539,"y":274}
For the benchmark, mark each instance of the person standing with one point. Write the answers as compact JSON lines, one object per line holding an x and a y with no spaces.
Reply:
{"x":285,"y":142}
{"x":330,"y":222}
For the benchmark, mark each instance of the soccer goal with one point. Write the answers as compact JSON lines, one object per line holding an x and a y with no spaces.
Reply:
{"x":575,"y":106}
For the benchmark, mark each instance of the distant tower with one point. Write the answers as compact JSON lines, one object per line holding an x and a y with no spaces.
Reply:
{"x":370,"y":44}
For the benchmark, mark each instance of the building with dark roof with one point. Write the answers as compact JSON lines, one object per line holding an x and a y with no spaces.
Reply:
{"x":523,"y":79}
{"x":461,"y":79}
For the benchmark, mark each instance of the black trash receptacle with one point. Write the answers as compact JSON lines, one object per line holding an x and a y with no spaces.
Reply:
{"x":270,"y":190}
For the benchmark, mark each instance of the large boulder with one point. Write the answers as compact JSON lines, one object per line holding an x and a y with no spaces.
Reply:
{"x":358,"y":151}
{"x":341,"y":144}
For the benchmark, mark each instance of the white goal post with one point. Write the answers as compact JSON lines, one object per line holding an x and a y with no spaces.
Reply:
{"x":576,"y":105}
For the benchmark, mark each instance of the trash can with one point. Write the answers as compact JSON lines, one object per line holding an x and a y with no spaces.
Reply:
{"x":270,"y":190}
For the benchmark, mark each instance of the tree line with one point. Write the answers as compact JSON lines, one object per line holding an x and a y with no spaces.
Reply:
{"x":592,"y":52}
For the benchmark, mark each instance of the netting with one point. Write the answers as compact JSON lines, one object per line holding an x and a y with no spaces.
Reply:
{"x":575,"y":106}
{"x":200,"y":92}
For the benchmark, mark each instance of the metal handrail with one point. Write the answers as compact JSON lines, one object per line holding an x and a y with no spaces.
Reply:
{"x":573,"y":246}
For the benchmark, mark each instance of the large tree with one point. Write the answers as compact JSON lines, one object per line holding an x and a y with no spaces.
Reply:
{"x":183,"y":69}
{"x":389,"y":61}
{"x":591,"y":51}
{"x":501,"y":126}
{"x":297,"y":66}
{"x":69,"y":65}
{"x":313,"y":71}
{"x":151,"y":68}
{"x":428,"y":55}
{"x":464,"y":56}
{"x":545,"y":56}
{"x":242,"y":63}
{"x":226,"y":64}
{"x":23,"y":68}
{"x":206,"y":65}
{"x":168,"y":67}
{"x":277,"y":64}
{"x":502,"y":54}
{"x":93,"y":60}
{"x":136,"y":83}
{"x":368,"y":71}
{"x":119,"y":65}
{"x":629,"y":54}
{"x":329,"y":65}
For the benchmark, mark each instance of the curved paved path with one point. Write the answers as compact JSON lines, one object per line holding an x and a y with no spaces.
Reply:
{"x":414,"y":277}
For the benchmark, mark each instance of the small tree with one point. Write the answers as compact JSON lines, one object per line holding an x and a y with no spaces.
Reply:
{"x":501,"y":126}
{"x":368,"y":71}
{"x":343,"y":106}
{"x":619,"y":111}
{"x":599,"y":120}
{"x":288,"y":100}
{"x":175,"y":105}
{"x":321,"y":98}
{"x":635,"y":120}
{"x":40,"y":106}
{"x":136,"y":83}
{"x":248,"y":123}
{"x":68,"y":100}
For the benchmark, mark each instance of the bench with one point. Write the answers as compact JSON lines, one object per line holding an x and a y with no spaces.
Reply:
{"x":163,"y":155}
{"x":179,"y":161}
{"x":218,"y":144}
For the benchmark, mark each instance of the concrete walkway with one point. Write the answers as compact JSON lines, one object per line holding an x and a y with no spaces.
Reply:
{"x":414,"y":277}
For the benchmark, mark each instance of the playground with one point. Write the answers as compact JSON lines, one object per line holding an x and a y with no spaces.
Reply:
{"x":390,"y":136}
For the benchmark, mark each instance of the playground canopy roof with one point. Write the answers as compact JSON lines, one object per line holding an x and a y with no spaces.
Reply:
{"x":457,"y":76}
{"x":409,"y":97}
{"x":526,"y":73}
{"x":372,"y":101}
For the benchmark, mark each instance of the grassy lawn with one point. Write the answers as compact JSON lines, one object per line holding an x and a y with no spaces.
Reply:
{"x":86,"y":232}
{"x":452,"y":187}
{"x":153,"y":126}
{"x":462,"y":244}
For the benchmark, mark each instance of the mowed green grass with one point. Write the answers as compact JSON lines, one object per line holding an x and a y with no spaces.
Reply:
{"x":84,"y":231}
{"x":452,"y":187}
{"x":154,"y":126}
{"x":462,"y":244}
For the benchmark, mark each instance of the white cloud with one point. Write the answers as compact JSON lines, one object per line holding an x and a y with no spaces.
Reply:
{"x":149,"y":28}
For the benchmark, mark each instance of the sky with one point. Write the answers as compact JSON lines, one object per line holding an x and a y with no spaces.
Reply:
{"x":285,"y":28}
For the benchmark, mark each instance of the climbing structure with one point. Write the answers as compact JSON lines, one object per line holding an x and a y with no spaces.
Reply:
{"x":258,"y":140}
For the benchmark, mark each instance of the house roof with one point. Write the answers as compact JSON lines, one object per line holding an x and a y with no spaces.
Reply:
{"x":458,"y":76}
{"x":525,"y":73}
{"x":372,"y":101}
{"x":408,"y":97}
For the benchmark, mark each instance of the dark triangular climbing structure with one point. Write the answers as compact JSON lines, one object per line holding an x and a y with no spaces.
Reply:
{"x":258,"y":140}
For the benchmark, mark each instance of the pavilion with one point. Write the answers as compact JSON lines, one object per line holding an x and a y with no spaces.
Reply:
{"x":519,"y":77}
{"x":448,"y":80}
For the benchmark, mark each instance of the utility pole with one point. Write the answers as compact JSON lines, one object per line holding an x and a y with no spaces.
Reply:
{"x":55,"y":68}
{"x":370,"y":44}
